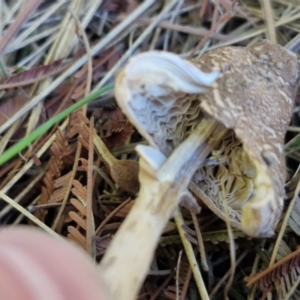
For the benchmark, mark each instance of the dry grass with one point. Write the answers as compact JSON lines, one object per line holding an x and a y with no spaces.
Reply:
{"x":84,"y":44}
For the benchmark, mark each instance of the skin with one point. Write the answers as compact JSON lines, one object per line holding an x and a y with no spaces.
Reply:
{"x":35,"y":266}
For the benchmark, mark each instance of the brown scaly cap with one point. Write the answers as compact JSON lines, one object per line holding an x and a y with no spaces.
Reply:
{"x":254,"y":97}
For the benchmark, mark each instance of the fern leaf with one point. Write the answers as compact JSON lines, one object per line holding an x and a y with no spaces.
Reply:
{"x":33,"y":75}
{"x":294,"y":220}
{"x":221,"y":236}
{"x":286,"y":268}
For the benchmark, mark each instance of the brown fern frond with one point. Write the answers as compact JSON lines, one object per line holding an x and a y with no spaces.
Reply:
{"x":33,"y":75}
{"x":54,"y":170}
{"x":74,"y":123}
{"x":11,"y":106}
{"x":79,"y":191}
{"x":83,"y":204}
{"x":79,"y":91}
{"x":76,"y":236}
{"x":283,"y":267}
{"x":78,"y":217}
{"x":181,"y":278}
{"x":60,"y":185}
{"x":108,"y":112}
{"x":119,"y":134}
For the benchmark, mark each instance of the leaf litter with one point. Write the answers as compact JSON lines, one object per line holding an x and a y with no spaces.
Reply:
{"x":69,"y":195}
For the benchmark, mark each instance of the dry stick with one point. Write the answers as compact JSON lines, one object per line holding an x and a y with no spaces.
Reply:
{"x":177,"y":274}
{"x":200,"y":242}
{"x":104,"y":222}
{"x":32,"y":208}
{"x":223,"y":18}
{"x":187,"y":29}
{"x":16,"y":167}
{"x":164,"y":284}
{"x":8,"y":13}
{"x":254,"y":271}
{"x":16,"y":25}
{"x":294,"y":44}
{"x":57,"y":51}
{"x":27,"y":166}
{"x":191,"y":257}
{"x":161,"y":188}
{"x":95,"y":50}
{"x":231,"y":242}
{"x":224,"y":278}
{"x":268,"y":16}
{"x":27,"y":214}
{"x":251,"y":33}
{"x":90,"y":225}
{"x":139,"y":41}
{"x":215,"y":14}
{"x":32,"y":184}
{"x":33,"y":27}
{"x":284,"y":224}
{"x":172,"y":20}
{"x":203,"y":8}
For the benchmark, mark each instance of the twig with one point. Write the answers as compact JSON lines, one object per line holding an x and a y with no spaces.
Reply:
{"x":137,"y":43}
{"x":268,"y":15}
{"x":16,"y":25}
{"x":177,"y":274}
{"x":227,"y":274}
{"x":188,"y":29}
{"x":95,"y":50}
{"x":191,"y":257}
{"x":227,"y":15}
{"x":90,"y":226}
{"x":27,"y":166}
{"x":164,"y":284}
{"x":172,"y":20}
{"x":200,"y":242}
{"x":284,"y":224}
{"x":107,"y":219}
{"x":27,"y":214}
{"x":294,"y":44}
{"x":231,"y":242}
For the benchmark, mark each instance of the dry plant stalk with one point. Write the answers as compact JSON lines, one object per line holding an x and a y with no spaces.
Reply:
{"x":243,"y":117}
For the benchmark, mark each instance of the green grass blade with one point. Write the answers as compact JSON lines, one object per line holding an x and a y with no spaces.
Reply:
{"x":19,"y":146}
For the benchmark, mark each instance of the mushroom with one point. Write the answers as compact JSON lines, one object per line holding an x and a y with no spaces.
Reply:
{"x":252,"y":98}
{"x":224,"y":127}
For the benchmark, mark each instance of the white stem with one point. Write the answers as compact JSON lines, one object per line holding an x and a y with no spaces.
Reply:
{"x":127,"y":259}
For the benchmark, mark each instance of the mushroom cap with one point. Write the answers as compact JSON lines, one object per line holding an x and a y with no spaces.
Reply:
{"x":254,"y":97}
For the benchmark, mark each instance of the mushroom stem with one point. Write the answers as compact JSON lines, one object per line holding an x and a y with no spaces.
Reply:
{"x":127,"y":259}
{"x":123,"y":172}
